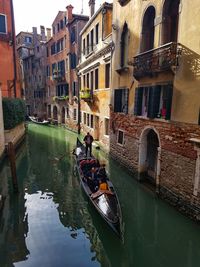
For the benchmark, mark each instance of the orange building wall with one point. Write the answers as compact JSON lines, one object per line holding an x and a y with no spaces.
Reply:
{"x":6,"y":55}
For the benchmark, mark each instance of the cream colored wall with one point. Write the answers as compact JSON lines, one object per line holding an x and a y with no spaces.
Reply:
{"x":2,"y":140}
{"x":186,"y":96}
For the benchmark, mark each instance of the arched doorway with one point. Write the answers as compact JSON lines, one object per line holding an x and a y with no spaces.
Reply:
{"x":55,"y":114}
{"x":149,"y":155}
{"x":170,"y":20}
{"x":63,"y":115}
{"x":147,"y":38}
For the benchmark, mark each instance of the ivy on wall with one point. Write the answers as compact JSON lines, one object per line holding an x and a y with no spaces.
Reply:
{"x":13,"y":112}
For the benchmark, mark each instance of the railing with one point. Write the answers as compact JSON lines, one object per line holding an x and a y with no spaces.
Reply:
{"x":163,"y":58}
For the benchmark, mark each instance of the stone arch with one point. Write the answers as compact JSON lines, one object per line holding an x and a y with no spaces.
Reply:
{"x":148,"y":29}
{"x":150,"y":154}
{"x":55,"y":113}
{"x":63,"y":115}
{"x":170,"y":20}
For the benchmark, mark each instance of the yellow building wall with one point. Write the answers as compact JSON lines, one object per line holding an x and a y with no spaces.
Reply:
{"x":186,"y":94}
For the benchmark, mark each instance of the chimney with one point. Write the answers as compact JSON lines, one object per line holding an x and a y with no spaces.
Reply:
{"x":42,"y":32}
{"x":69,"y":12}
{"x":48,"y":34}
{"x":92,"y":7}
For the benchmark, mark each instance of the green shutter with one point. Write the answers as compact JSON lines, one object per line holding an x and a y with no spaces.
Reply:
{"x":138,"y":101}
{"x":169,"y":94}
{"x":154,"y":101}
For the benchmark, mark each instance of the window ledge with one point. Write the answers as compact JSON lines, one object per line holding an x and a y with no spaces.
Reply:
{"x":122,"y":70}
{"x":90,"y":53}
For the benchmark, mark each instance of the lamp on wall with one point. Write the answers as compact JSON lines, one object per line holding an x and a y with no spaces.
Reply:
{"x":115,"y":27}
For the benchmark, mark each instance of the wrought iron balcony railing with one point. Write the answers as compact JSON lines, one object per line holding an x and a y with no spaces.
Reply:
{"x":152,"y":62}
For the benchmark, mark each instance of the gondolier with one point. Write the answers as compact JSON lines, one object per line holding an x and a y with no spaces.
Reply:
{"x":88,"y":139}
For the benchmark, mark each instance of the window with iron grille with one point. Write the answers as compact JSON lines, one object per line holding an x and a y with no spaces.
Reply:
{"x":3,"y":24}
{"x":120,"y":137}
{"x":121,"y":100}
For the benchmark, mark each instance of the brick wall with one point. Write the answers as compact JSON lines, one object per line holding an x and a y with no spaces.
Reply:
{"x":178,"y":157}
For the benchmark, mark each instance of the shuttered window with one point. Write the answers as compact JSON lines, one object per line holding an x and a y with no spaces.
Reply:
{"x":121,"y":100}
{"x":3,"y":23}
{"x":154,"y":101}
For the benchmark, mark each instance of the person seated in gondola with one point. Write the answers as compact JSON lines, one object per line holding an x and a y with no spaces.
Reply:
{"x":92,"y":179}
{"x":101,"y":172}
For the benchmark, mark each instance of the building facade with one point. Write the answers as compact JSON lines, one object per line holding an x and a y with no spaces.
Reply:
{"x":94,"y":73}
{"x":155,"y":102}
{"x":32,"y":61}
{"x":8,"y":75}
{"x":62,"y":56}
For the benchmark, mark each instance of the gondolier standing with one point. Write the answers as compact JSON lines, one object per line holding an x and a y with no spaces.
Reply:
{"x":88,"y":139}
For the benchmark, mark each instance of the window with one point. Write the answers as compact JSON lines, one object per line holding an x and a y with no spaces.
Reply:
{"x":67,"y":64}
{"x":96,"y":78}
{"x":54,"y":31}
{"x":27,"y":39}
{"x":84,"y":46}
{"x":88,"y":80}
{"x":120,"y":137}
{"x":88,"y":44}
{"x":88,"y":120}
{"x":91,"y":121}
{"x":61,"y":24}
{"x":92,"y":39}
{"x":67,"y":111}
{"x":107,"y":76}
{"x":73,"y":61}
{"x":3,"y":24}
{"x":106,"y":126}
{"x":124,"y":46}
{"x":84,"y":118}
{"x":62,"y":90}
{"x":73,"y":35}
{"x":58,"y":27}
{"x":91,"y":80}
{"x":74,"y":88}
{"x":121,"y":100}
{"x":154,"y":101}
{"x":54,"y":69}
{"x":75,"y":114}
{"x":48,"y":70}
{"x":38,"y":49}
{"x":97,"y":33}
{"x":53,"y":48}
{"x":61,"y":68}
{"x":84,"y":84}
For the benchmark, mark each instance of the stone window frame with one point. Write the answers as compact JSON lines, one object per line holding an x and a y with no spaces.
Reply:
{"x":123,"y":137}
{"x":6,"y":25}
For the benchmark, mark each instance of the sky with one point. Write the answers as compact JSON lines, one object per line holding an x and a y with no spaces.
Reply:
{"x":33,"y":13}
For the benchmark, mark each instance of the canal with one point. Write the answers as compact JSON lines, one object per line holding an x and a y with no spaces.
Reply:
{"x":51,"y":224}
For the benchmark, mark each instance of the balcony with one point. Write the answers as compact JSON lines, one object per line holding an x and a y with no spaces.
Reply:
{"x":60,"y":98}
{"x":161,"y":59}
{"x":86,"y":94}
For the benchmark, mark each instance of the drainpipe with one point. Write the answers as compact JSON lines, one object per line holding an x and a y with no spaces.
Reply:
{"x":14,"y":47}
{"x":79,"y":104}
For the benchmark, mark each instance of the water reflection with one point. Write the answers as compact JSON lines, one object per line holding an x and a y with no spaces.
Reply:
{"x":51,"y":223}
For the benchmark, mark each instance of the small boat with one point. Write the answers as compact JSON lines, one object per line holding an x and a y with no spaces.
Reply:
{"x":38,"y":120}
{"x":105,"y":201}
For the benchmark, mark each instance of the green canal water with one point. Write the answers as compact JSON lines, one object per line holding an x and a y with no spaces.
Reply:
{"x":51,"y":224}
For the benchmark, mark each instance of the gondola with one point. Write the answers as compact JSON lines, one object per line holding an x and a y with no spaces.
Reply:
{"x":38,"y":121}
{"x":105,"y":202}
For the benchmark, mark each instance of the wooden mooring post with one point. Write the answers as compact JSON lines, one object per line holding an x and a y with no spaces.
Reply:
{"x":11,"y":155}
